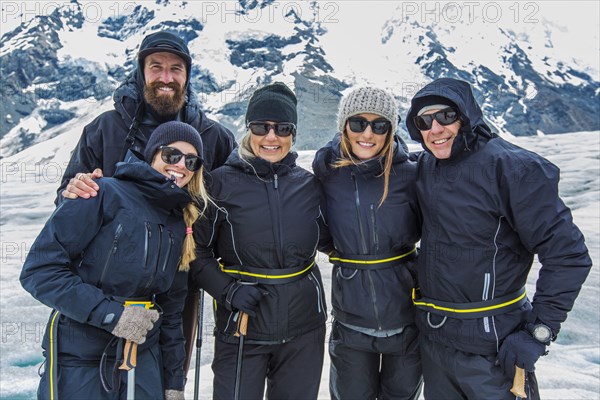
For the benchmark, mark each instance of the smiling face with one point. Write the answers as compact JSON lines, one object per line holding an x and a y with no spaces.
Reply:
{"x":270,"y":147}
{"x":439,"y":138}
{"x":366,"y":145}
{"x":181,"y":174}
{"x":165,"y":75}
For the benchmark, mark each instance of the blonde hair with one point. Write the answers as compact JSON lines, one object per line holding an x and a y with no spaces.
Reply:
{"x":385,"y":159}
{"x":245,"y":149}
{"x":246,"y":153}
{"x":191,"y":213}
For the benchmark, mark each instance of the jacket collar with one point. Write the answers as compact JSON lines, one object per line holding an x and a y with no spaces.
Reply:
{"x":155,"y":187}
{"x":261,"y":167}
{"x":129,"y":103}
{"x":326,"y":156}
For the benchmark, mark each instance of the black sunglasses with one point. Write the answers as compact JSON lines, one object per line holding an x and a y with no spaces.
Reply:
{"x":282,"y":129}
{"x":443,"y":117}
{"x":171,"y":155}
{"x":380,"y":126}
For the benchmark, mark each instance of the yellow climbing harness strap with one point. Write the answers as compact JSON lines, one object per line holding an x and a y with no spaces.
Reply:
{"x":268,"y":276}
{"x":377,"y":261}
{"x":499,"y":305}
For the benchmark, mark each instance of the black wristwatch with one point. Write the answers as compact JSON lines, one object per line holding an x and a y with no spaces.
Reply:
{"x":541,"y":332}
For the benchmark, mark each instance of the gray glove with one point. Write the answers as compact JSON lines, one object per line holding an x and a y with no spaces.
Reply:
{"x":171,"y":394}
{"x":135,"y":323}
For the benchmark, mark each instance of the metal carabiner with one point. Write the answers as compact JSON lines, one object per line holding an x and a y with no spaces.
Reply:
{"x":438,"y":325}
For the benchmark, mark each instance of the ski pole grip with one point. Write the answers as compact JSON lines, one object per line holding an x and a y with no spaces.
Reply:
{"x":130,"y":356}
{"x":130,"y":348}
{"x":243,"y":325}
{"x":518,"y":388}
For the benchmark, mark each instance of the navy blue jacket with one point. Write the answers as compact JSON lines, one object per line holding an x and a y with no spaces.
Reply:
{"x":487,"y":210}
{"x":376,"y":299}
{"x":268,"y":217}
{"x":102,"y":141}
{"x":125,"y":242}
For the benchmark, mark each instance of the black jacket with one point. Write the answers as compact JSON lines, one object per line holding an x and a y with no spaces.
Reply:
{"x":268,"y":217}
{"x":125,"y":242}
{"x":487,"y":210}
{"x":377,"y":299}
{"x":103,"y":140}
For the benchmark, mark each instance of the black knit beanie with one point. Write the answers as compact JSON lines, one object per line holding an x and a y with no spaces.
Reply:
{"x":274,"y":102}
{"x":169,"y":132}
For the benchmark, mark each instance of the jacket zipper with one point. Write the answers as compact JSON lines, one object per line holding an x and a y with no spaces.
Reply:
{"x":146,"y":242}
{"x":81,"y":261}
{"x":313,"y":279}
{"x":154,"y":270}
{"x":171,"y":241}
{"x":360,"y":228}
{"x":278,"y":215}
{"x":374,"y":227}
{"x":113,"y":250}
{"x":374,"y":298}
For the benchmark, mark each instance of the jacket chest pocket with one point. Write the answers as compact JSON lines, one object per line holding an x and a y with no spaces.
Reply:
{"x":111,"y":256}
{"x":159,"y":253}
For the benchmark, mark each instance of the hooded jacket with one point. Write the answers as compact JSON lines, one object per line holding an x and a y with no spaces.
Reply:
{"x":124,"y":243}
{"x":103,"y":141}
{"x":487,"y":210}
{"x":377,"y":299}
{"x":267,"y":217}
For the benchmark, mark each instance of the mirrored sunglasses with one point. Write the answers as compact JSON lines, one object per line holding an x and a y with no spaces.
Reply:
{"x":282,"y":129}
{"x":172,"y":156}
{"x":380,"y":126}
{"x":444,"y":117}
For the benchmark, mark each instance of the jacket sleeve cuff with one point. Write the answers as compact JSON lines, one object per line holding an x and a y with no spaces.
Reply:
{"x":106,"y":315}
{"x":174,"y":380}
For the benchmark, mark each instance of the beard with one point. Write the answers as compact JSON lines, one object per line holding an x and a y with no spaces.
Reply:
{"x":163,"y":104}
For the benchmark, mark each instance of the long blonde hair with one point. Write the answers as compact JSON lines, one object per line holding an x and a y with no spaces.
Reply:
{"x":191,"y":214}
{"x":385,"y":158}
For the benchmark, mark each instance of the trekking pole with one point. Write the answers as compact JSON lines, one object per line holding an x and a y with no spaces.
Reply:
{"x":518,"y":388}
{"x":241,"y":332}
{"x":199,"y":345}
{"x":129,"y":364}
{"x":130,"y":354}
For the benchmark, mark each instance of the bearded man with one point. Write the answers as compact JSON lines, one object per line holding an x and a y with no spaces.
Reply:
{"x":158,"y":90}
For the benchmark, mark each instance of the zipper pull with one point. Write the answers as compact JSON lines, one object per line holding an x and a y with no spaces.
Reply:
{"x":275,"y":181}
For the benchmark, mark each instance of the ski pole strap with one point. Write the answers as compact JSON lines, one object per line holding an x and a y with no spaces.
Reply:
{"x":112,"y":385}
{"x":371,"y":262}
{"x":480,"y":309}
{"x":268,"y":276}
{"x":53,"y":362}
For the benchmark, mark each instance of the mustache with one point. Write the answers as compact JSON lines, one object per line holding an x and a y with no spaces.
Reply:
{"x":173,"y":85}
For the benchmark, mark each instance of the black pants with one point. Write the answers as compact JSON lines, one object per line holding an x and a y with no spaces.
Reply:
{"x":79,"y":382}
{"x":452,"y":374}
{"x":364,"y":367}
{"x":292,"y":370}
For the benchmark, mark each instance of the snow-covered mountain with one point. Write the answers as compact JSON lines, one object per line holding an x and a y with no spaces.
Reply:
{"x":533,"y":70}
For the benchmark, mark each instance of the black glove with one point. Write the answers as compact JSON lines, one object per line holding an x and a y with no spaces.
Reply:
{"x":520,"y":349}
{"x":243,"y":296}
